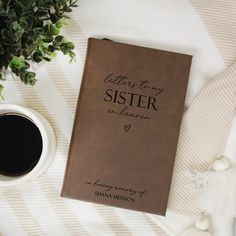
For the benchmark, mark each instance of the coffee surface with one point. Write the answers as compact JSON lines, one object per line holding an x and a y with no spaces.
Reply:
{"x":20,"y":145}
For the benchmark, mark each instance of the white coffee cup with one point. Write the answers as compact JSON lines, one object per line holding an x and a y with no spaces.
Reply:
{"x":48,"y":139}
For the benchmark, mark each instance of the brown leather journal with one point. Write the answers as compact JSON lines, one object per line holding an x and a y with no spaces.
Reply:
{"x":126,"y":126}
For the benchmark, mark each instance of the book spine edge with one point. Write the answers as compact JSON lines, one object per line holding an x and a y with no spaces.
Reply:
{"x":63,"y":190}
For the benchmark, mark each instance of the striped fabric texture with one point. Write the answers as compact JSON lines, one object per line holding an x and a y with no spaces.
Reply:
{"x":37,"y":208}
{"x":206,"y":123}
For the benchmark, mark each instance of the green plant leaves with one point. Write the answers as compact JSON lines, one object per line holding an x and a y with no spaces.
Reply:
{"x":28,"y":77}
{"x":16,"y":30}
{"x":26,"y":23}
{"x":30,"y":31}
{"x":1,"y":86}
{"x":37,"y":56}
{"x":17,"y":63}
{"x":27,"y":4}
{"x":3,"y":13}
{"x":60,"y":23}
{"x":1,"y":90}
{"x":59,"y":39}
{"x":20,"y":67}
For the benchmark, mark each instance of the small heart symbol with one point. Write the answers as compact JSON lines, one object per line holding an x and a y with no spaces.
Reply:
{"x":127,"y":127}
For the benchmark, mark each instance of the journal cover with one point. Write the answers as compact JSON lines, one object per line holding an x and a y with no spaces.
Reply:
{"x":126,"y":126}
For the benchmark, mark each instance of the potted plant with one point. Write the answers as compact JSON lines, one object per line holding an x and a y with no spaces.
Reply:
{"x":30,"y":32}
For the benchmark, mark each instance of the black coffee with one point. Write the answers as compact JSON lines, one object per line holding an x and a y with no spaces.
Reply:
{"x":20,"y":145}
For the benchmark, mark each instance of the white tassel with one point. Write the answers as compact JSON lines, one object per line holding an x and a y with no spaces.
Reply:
{"x":200,"y":228}
{"x":217,"y":194}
